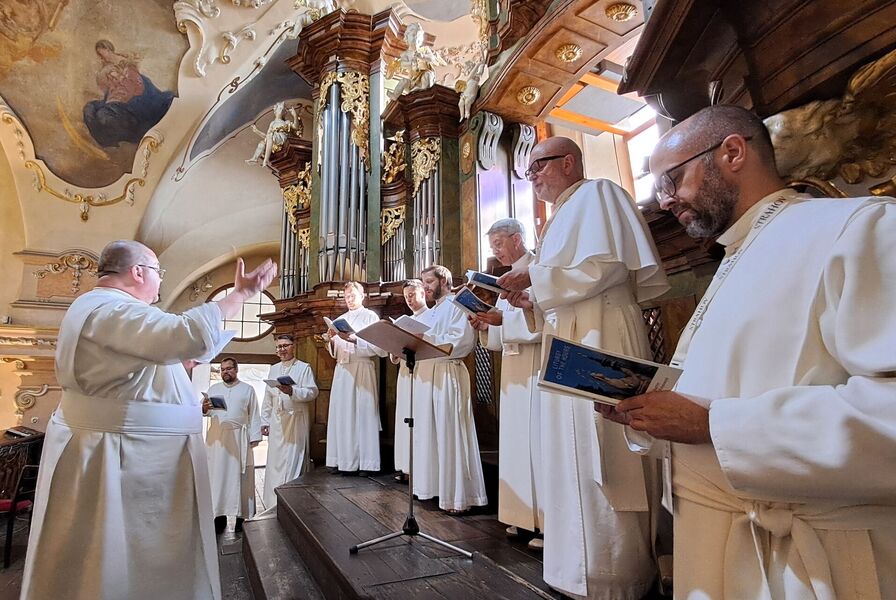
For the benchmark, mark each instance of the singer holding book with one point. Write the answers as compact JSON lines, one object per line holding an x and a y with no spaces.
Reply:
{"x":286,"y":418}
{"x":353,"y":423}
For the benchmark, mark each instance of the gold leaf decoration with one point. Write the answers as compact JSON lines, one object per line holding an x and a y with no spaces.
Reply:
{"x":76,"y":261}
{"x":355,"y":89}
{"x":304,"y":236}
{"x":425,"y":156}
{"x":568,"y":53}
{"x":528,"y":95}
{"x":297,"y":197}
{"x":621,"y":12}
{"x":393,"y":159}
{"x":391,"y":220}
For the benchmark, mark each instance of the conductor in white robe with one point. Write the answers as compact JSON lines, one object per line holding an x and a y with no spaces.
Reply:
{"x":353,"y":422}
{"x":507,"y":330}
{"x":594,"y":263}
{"x":415,"y":298}
{"x":231,"y":435}
{"x":783,"y":424}
{"x":123,"y":507}
{"x":286,"y":413}
{"x":444,"y":433}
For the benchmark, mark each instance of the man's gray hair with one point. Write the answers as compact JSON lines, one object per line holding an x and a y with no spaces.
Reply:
{"x":507,"y":227}
{"x":121,"y":255}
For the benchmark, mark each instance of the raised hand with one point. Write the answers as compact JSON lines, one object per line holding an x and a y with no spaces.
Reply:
{"x":246,"y":285}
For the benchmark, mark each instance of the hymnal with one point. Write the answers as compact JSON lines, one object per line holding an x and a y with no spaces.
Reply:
{"x":217,"y":402}
{"x":484,"y":280}
{"x":410,"y":324}
{"x":599,"y":376}
{"x":21,"y":432}
{"x":282,"y":380}
{"x":340,"y":325}
{"x":470,"y":302}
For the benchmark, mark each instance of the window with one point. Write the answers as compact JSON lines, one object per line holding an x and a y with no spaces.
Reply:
{"x":246,"y":323}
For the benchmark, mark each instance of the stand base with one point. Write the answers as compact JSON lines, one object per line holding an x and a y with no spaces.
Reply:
{"x":410,"y":529}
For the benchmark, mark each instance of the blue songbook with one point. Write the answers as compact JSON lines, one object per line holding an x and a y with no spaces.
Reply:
{"x":469,"y":302}
{"x":484,"y":280}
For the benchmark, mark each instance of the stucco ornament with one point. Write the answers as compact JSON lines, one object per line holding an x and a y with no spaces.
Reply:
{"x":415,"y":68}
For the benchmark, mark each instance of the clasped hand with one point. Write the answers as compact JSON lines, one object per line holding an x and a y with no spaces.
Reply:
{"x":664,"y":415}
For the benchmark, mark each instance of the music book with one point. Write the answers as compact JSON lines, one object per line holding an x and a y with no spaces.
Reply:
{"x":21,"y":432}
{"x":282,"y":380}
{"x":410,"y":324}
{"x":340,"y":325}
{"x":394,"y":340}
{"x":470,"y":303}
{"x":217,"y":402}
{"x":484,"y":280}
{"x":600,"y":376}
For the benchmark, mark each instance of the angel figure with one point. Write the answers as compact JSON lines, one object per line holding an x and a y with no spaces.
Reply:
{"x":276,"y":136}
{"x":469,"y":88}
{"x":415,"y":67}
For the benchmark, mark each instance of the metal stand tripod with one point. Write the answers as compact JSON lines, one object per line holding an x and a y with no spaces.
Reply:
{"x":410,"y":528}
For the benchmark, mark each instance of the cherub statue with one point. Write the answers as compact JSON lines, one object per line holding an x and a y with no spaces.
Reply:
{"x":316,"y":9}
{"x":469,"y":88}
{"x":415,"y":68}
{"x":276,"y":136}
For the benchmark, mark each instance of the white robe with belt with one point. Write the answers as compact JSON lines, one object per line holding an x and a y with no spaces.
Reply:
{"x":596,"y":260}
{"x":444,"y":432}
{"x":353,"y":422}
{"x":289,"y":418}
{"x":228,"y":440}
{"x":519,"y":418}
{"x":402,"y":409}
{"x":796,"y":496}
{"x":123,"y":507}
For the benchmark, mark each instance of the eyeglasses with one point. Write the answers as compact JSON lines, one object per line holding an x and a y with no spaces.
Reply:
{"x":158,"y":270}
{"x":538,"y":165}
{"x":282,"y":346}
{"x":665,"y":184}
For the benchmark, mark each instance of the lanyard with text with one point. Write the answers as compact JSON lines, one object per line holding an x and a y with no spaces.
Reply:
{"x":765,"y":217}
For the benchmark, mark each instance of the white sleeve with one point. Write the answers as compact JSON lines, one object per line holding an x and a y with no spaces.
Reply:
{"x":554,"y":286}
{"x":305,"y":389}
{"x":254,"y":418}
{"x":267,"y":402}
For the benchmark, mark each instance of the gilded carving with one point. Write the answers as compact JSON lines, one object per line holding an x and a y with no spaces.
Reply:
{"x":304,"y":236}
{"x":394,"y":159}
{"x":392,"y":218}
{"x":568,"y":53}
{"x":355,"y":89}
{"x":297,"y":197}
{"x":854,"y":137}
{"x":425,"y":156}
{"x":621,"y":12}
{"x":27,"y":341}
{"x":76,"y":261}
{"x":528,"y":95}
{"x":85,"y":201}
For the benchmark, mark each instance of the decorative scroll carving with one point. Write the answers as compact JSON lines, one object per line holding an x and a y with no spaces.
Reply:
{"x":621,"y":12}
{"x":78,"y":262}
{"x":27,"y":341}
{"x":523,"y":141}
{"x":304,"y":236}
{"x":568,"y":53}
{"x":199,"y":287}
{"x":10,"y":119}
{"x":298,"y":197}
{"x":195,"y":12}
{"x":17,"y":363}
{"x":854,"y":137}
{"x":528,"y":95}
{"x":232,"y":39}
{"x":425,"y":156}
{"x":489,"y":127}
{"x":85,"y":201}
{"x":392,"y":218}
{"x":355,"y":89}
{"x":27,"y":397}
{"x":394,"y":162}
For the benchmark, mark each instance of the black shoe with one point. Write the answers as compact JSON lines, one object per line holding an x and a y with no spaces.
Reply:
{"x":239,"y":525}
{"x":363,"y":473}
{"x":333,"y":470}
{"x":220,"y":524}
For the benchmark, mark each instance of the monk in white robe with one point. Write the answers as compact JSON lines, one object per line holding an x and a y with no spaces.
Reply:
{"x":123,"y":507}
{"x":454,"y":473}
{"x":286,"y":414}
{"x":353,"y":423}
{"x":415,"y":298}
{"x":231,"y":435}
{"x":594,"y":263}
{"x":783,"y":424}
{"x":507,"y":330}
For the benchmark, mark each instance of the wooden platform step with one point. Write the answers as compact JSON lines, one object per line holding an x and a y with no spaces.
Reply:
{"x":276,"y":572}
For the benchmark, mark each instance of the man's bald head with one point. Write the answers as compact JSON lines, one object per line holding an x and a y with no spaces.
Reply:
{"x":131,"y":267}
{"x":554,"y":164}
{"x":118,"y":256}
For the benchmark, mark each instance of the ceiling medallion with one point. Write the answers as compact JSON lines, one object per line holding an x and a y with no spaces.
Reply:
{"x":528,"y":95}
{"x":568,"y":53}
{"x":621,"y":12}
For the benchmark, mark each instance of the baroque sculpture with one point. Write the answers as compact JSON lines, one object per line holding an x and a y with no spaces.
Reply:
{"x":415,"y":68}
{"x":469,"y":88}
{"x":276,"y":136}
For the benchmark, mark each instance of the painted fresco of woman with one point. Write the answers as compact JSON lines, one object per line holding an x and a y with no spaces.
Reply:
{"x":131,"y":103}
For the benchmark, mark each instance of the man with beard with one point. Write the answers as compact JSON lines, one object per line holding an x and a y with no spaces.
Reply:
{"x":353,"y":423}
{"x":415,"y":298}
{"x":594,"y":263}
{"x":445,"y":439}
{"x":286,"y":412}
{"x":783,"y":428}
{"x":507,"y":330}
{"x":232,"y":433}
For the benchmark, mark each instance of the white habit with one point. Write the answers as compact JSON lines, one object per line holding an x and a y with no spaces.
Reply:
{"x":796,"y":496}
{"x":519,"y":418}
{"x":595,"y":261}
{"x":289,"y":418}
{"x":402,"y":409}
{"x":353,"y":423}
{"x":231,"y":467}
{"x":123,"y":508}
{"x":445,"y":439}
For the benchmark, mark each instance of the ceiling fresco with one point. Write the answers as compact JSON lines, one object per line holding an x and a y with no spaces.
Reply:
{"x":88,"y":79}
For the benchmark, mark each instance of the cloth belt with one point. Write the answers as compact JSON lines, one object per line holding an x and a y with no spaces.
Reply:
{"x":745,"y":555}
{"x":115,"y":415}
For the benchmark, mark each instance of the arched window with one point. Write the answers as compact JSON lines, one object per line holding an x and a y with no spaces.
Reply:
{"x":246,"y":323}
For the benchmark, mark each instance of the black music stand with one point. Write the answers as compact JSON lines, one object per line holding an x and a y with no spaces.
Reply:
{"x":397,"y":341}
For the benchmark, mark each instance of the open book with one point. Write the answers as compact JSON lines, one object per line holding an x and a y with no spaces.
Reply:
{"x":599,"y":376}
{"x":282,"y":380}
{"x":218,"y":402}
{"x":410,"y":324}
{"x":470,"y":303}
{"x":484,"y":280}
{"x":340,"y":325}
